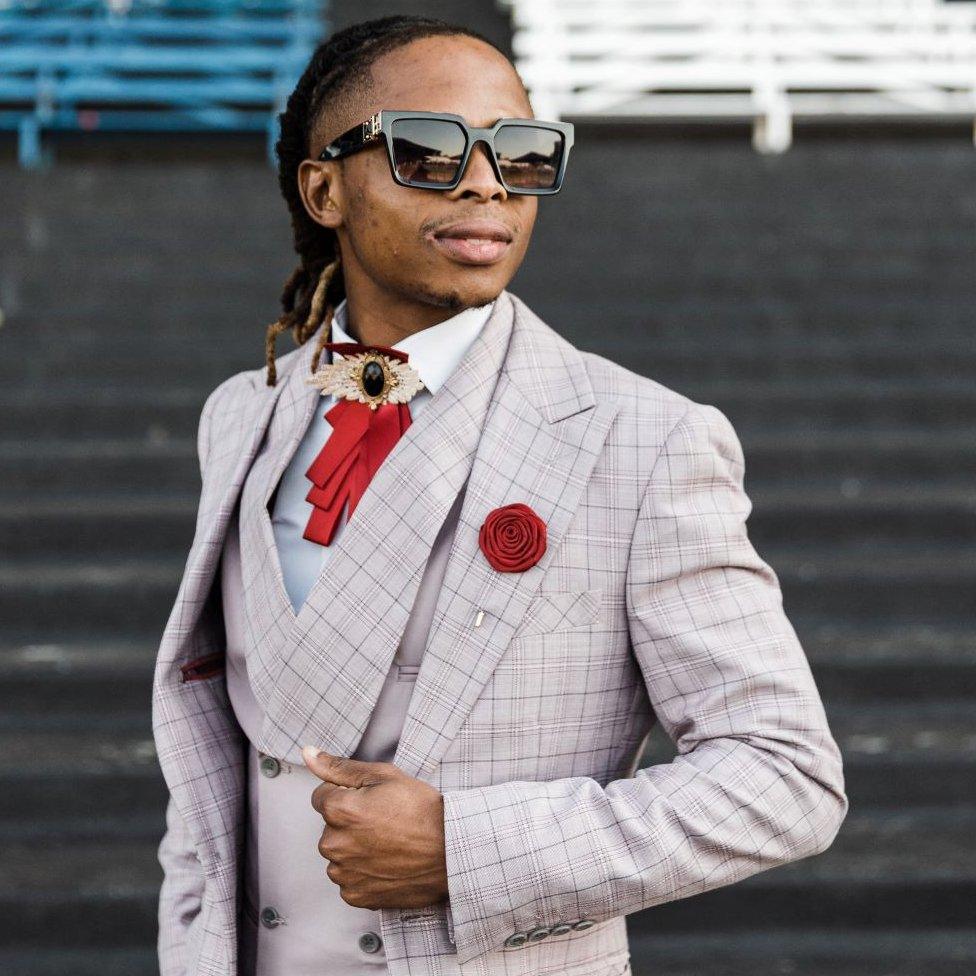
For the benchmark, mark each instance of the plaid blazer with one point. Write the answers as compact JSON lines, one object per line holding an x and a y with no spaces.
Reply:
{"x":649,"y":604}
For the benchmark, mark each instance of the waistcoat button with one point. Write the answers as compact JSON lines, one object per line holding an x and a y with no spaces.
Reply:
{"x":270,"y":917}
{"x":370,"y":942}
{"x":270,"y":766}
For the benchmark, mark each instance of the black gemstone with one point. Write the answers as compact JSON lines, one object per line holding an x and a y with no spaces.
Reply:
{"x":373,"y":378}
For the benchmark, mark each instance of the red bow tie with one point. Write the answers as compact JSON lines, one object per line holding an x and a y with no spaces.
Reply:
{"x":362,"y":436}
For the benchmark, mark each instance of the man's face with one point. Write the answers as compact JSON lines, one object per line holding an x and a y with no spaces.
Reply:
{"x":387,"y":232}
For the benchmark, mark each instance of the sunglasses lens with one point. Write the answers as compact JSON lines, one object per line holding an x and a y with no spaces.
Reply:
{"x":529,"y":157}
{"x":427,"y":150}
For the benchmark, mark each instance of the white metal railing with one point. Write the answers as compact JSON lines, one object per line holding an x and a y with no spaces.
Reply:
{"x":768,"y":61}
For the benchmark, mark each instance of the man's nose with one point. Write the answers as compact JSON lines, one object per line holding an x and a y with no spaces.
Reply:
{"x":479,"y":175}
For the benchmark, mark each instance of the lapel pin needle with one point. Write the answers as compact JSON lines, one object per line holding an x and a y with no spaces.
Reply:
{"x":479,"y":618}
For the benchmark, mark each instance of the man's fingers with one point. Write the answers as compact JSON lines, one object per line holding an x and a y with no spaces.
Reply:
{"x":326,"y":845}
{"x":335,"y":804}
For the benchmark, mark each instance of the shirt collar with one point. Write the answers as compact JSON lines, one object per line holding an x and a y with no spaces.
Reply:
{"x":434,"y":352}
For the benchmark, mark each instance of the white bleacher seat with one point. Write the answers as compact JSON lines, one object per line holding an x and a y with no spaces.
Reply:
{"x":768,"y":61}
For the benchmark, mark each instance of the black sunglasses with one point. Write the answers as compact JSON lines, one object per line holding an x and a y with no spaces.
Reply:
{"x":430,"y":150}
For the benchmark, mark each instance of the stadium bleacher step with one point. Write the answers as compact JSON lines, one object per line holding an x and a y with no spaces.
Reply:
{"x":852,"y":459}
{"x":923,"y":513}
{"x":890,"y":662}
{"x":136,"y":464}
{"x":888,"y":869}
{"x":150,"y":523}
{"x":681,"y":363}
{"x":922,"y":752}
{"x":887,"y":456}
{"x":134,"y":411}
{"x":834,"y":949}
{"x":55,"y":746}
{"x":896,"y":582}
{"x":789,"y":952}
{"x":80,"y":961}
{"x":73,"y":526}
{"x":137,"y":408}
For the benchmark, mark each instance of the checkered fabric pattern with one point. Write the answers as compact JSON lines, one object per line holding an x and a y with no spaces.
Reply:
{"x":649,"y":604}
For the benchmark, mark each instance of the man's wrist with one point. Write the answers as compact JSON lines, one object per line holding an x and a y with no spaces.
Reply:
{"x":443,"y":848}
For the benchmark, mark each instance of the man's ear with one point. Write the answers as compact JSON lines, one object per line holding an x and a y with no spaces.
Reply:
{"x":319,"y":184}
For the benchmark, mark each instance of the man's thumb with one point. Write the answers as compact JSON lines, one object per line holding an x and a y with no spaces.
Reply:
{"x":353,"y":773}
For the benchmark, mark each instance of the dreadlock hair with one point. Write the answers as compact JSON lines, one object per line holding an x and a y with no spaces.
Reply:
{"x":337,"y":66}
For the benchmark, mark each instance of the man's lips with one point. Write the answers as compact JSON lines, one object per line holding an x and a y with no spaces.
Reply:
{"x":478,"y":241}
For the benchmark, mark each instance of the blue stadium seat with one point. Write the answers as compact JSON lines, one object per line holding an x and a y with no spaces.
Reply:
{"x":151,"y":65}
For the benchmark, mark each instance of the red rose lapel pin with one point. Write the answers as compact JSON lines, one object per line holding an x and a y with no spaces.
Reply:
{"x":513,"y":538}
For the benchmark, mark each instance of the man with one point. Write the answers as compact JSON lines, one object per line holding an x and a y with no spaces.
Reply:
{"x":467,"y":583}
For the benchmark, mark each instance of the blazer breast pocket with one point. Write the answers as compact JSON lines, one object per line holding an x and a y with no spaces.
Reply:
{"x":558,"y":610}
{"x":205,"y":667}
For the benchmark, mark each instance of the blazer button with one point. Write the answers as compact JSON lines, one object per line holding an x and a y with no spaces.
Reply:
{"x":536,"y":934}
{"x":561,"y":928}
{"x":370,"y":942}
{"x":516,"y":939}
{"x":270,"y":766}
{"x":270,"y":918}
{"x":584,"y":923}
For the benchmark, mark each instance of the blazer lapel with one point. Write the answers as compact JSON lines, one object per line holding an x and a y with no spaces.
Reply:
{"x":541,"y":439}
{"x":235,"y":437}
{"x":346,"y":633}
{"x":267,"y":605}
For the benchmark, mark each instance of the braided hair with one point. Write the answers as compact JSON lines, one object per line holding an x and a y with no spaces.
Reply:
{"x":337,"y":65}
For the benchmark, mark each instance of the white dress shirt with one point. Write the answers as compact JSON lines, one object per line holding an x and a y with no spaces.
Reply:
{"x":435,"y":353}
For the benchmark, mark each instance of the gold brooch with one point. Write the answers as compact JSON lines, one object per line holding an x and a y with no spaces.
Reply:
{"x":368,"y":377}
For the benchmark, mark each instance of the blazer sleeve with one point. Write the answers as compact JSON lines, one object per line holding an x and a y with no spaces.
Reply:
{"x":181,"y":891}
{"x":180,"y":895}
{"x":758,"y":779}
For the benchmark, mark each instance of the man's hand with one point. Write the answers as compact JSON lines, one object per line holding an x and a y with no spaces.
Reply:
{"x":384,"y":832}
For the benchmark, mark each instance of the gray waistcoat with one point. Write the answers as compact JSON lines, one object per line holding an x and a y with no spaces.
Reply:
{"x":295,"y":922}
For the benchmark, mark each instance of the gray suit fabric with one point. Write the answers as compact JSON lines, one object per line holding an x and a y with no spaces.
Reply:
{"x":649,"y":604}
